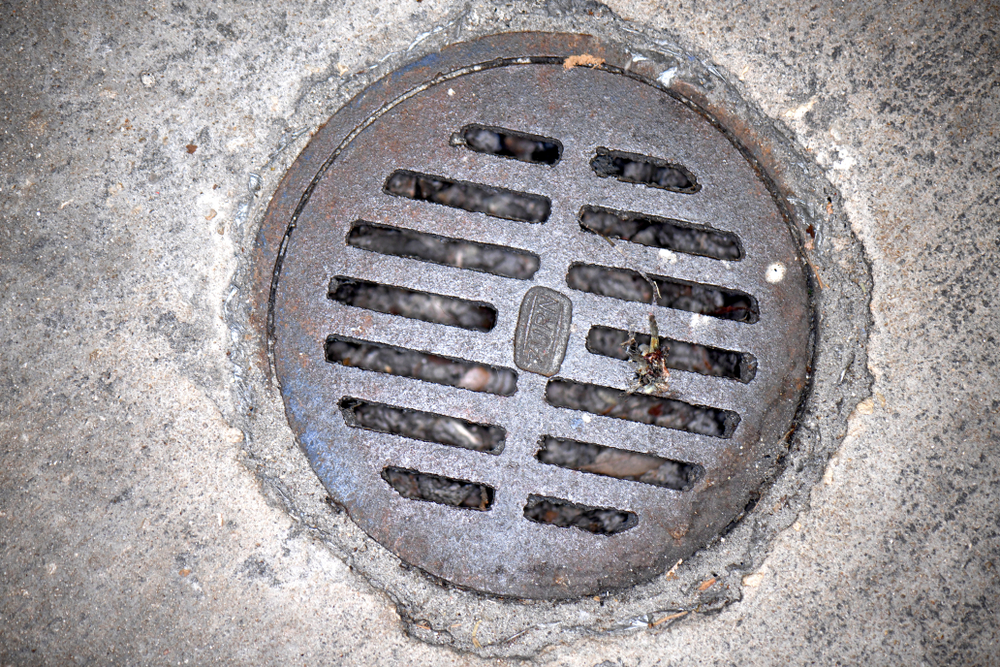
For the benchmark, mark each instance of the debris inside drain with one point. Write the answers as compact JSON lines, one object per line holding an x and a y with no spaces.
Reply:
{"x":437,"y":489}
{"x":662,"y":412}
{"x":645,"y":170}
{"x":678,"y":355}
{"x":564,"y":514}
{"x":413,"y":304}
{"x":426,"y":426}
{"x":421,"y":366}
{"x":618,"y":463}
{"x":457,"y":253}
{"x":629,"y":285}
{"x":649,"y":361}
{"x":473,"y":197}
{"x":656,"y":232}
{"x":509,"y":143}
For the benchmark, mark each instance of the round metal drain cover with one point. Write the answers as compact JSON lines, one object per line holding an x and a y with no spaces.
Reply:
{"x":463,"y":311}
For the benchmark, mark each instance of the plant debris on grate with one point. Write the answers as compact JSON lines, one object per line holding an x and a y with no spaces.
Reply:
{"x":536,"y":344}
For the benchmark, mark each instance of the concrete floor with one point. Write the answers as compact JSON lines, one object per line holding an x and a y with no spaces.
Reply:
{"x":134,"y":528}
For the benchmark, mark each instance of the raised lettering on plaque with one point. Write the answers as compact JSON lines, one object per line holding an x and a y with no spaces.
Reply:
{"x":542,"y":331}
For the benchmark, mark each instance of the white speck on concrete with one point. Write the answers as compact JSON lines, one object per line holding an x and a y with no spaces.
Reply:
{"x":667,"y":257}
{"x":800,"y":111}
{"x":844,"y":163}
{"x":667,"y":77}
{"x":775,"y":273}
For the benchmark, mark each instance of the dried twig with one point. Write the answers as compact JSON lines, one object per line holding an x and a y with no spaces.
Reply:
{"x":669,"y":618}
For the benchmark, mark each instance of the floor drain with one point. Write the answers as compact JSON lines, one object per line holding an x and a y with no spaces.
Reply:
{"x":455,"y":303}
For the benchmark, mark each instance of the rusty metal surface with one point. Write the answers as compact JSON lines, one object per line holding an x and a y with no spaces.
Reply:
{"x":406,"y":122}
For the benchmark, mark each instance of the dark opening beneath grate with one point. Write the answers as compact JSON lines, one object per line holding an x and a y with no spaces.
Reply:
{"x":662,"y":412}
{"x":509,"y":143}
{"x":458,"y":253}
{"x":493,"y":201}
{"x":681,"y":356}
{"x":425,"y":306}
{"x":618,"y":463}
{"x":420,"y":365}
{"x":645,"y":170}
{"x":564,"y":514}
{"x":437,"y":489}
{"x":657,"y":232}
{"x":426,"y":426}
{"x":629,"y":285}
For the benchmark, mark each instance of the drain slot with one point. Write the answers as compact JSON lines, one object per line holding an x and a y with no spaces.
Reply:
{"x":473,"y":197}
{"x":680,"y":356}
{"x":425,"y":426}
{"x":425,"y":306}
{"x":618,"y":463}
{"x":629,"y":285}
{"x":645,"y":170}
{"x":657,"y":232}
{"x":564,"y":514}
{"x":420,"y":366}
{"x":510,"y":144}
{"x":437,"y":489}
{"x":662,"y":412}
{"x":460,"y":254}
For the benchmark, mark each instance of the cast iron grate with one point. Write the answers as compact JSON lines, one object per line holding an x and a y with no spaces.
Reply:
{"x":469,"y":275}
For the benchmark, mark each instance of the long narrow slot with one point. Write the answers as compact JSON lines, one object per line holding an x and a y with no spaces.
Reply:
{"x":645,"y":170}
{"x":631,"y":285}
{"x":681,"y":356}
{"x":399,"y":242}
{"x":658,"y":232}
{"x":474,"y":197}
{"x":425,"y":426}
{"x":420,"y":366}
{"x":618,"y":463}
{"x":564,"y":514}
{"x":510,"y":144}
{"x":437,"y":489}
{"x":425,"y":306}
{"x":652,"y":410}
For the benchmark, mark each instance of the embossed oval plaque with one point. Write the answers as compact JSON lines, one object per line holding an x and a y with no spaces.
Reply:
{"x":542,"y":331}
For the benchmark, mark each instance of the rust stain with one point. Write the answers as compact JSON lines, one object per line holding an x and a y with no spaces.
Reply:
{"x":582,"y":60}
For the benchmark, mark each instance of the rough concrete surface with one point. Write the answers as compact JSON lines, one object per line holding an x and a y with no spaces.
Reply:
{"x":135,"y":524}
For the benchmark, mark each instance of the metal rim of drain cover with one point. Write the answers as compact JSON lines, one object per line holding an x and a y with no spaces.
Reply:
{"x":398,"y":166}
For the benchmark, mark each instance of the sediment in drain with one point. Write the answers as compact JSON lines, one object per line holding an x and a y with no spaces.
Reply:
{"x":426,"y":426}
{"x":509,"y":143}
{"x":437,"y":489}
{"x":457,"y":253}
{"x":420,"y":365}
{"x":661,"y":412}
{"x":564,"y":514}
{"x":618,"y":463}
{"x":425,"y":306}
{"x":629,"y":285}
{"x":680,"y":355}
{"x":474,"y":197}
{"x":659,"y":232}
